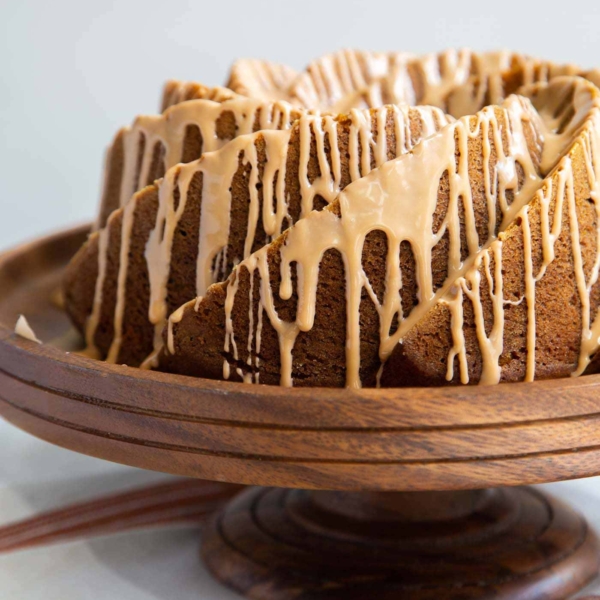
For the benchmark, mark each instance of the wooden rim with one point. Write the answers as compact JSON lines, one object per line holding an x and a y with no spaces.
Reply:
{"x":401,"y":439}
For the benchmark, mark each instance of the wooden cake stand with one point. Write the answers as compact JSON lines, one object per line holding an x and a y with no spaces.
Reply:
{"x":372,"y":494}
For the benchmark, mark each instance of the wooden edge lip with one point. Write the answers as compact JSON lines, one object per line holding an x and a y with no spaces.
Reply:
{"x":397,"y":397}
{"x":48,"y":239}
{"x":10,"y":340}
{"x":470,"y":475}
{"x":16,"y":344}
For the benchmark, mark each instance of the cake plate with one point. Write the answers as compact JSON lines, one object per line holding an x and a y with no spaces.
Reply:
{"x":366,"y":494}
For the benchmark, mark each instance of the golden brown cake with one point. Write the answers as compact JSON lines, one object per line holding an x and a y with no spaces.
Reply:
{"x":142,"y":153}
{"x":419,"y":272}
{"x":175,"y":238}
{"x":317,"y":306}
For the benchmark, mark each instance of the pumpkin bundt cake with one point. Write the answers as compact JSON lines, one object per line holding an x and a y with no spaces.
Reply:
{"x":528,"y":307}
{"x":338,"y":226}
{"x":175,"y":238}
{"x":330,"y":315}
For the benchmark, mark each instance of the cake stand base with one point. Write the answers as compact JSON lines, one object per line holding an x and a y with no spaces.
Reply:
{"x":512,"y":543}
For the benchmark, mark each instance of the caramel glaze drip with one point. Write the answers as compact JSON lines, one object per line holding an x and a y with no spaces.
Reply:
{"x":331,"y":79}
{"x":459,"y":81}
{"x":528,"y":307}
{"x":318,"y":156}
{"x":142,"y":153}
{"x":491,"y":157}
{"x":261,"y":79}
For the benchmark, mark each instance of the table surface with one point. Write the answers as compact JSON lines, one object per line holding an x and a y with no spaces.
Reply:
{"x":151,"y":564}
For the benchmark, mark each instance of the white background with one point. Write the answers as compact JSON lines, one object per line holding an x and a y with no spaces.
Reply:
{"x":71,"y":73}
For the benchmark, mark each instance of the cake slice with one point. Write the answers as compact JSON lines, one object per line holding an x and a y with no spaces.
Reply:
{"x":323,"y":304}
{"x":528,"y":307}
{"x":142,"y":153}
{"x":176,"y":237}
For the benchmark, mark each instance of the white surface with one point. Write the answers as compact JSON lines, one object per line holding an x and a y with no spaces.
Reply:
{"x":73,"y":71}
{"x":156,"y":564}
{"x":145,"y":565}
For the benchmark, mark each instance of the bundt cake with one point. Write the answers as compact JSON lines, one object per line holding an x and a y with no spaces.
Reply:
{"x":416,"y":249}
{"x":175,"y":238}
{"x":385,"y":250}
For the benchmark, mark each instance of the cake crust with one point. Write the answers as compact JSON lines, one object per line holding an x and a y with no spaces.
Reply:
{"x":528,"y":308}
{"x":241,"y":328}
{"x":193,"y":226}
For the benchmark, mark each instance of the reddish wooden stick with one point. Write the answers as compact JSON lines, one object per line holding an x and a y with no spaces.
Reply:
{"x":183,"y":500}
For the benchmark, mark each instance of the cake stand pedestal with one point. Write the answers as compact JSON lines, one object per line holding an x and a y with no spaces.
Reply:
{"x":369,"y":494}
{"x":516,"y":544}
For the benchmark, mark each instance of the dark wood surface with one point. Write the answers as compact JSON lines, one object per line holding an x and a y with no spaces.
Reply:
{"x":509,"y":544}
{"x":403,"y":440}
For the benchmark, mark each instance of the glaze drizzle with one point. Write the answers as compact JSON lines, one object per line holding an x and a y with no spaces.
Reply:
{"x":556,"y":198}
{"x":162,"y":137}
{"x":400,"y":198}
{"x":367,"y":147}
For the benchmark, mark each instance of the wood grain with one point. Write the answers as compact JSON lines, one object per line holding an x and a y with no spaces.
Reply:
{"x":181,"y":501}
{"x":406,"y":439}
{"x":513,"y":544}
